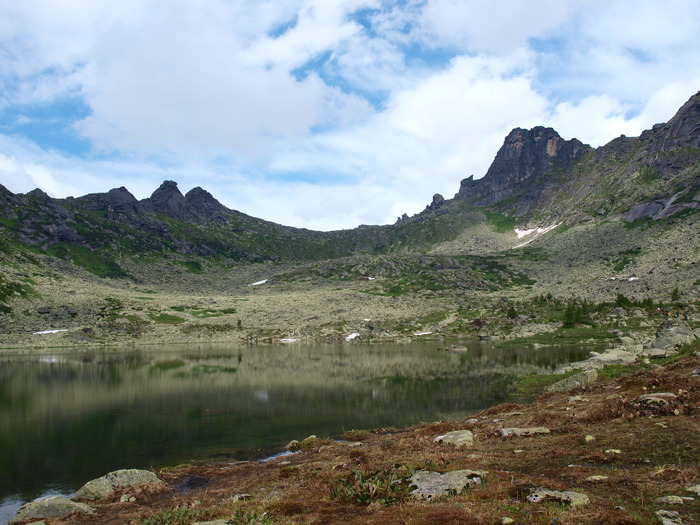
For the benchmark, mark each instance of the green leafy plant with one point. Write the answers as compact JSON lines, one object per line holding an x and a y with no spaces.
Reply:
{"x":385,"y":486}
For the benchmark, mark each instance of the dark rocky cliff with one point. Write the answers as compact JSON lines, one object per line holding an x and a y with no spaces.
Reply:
{"x":525,"y":154}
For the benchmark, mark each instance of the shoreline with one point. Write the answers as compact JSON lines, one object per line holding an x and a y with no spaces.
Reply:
{"x":616,"y":451}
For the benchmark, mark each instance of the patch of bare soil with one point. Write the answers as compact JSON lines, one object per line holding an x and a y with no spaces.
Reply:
{"x":624,"y":444}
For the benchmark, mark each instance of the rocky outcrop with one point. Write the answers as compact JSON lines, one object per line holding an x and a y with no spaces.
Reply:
{"x":438,"y":201}
{"x":205,"y":205}
{"x":682,"y":131}
{"x":525,"y":155}
{"x":102,"y":487}
{"x":168,"y":200}
{"x":118,"y":200}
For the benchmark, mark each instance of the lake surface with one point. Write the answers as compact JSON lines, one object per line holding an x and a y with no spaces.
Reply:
{"x":68,"y":418}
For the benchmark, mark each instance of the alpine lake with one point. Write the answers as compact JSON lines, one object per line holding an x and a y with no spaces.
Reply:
{"x":67,"y":418}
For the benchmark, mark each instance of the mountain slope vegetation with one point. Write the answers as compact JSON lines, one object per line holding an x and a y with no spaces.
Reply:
{"x":550,"y":217}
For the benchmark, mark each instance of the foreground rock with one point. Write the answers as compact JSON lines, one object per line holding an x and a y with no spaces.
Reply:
{"x":530,"y":431}
{"x":102,"y":487}
{"x":569,"y":497}
{"x":50,"y":508}
{"x":458,"y":438}
{"x":433,"y":484}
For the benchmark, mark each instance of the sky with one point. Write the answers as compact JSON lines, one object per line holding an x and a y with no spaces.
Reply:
{"x":322,"y":114}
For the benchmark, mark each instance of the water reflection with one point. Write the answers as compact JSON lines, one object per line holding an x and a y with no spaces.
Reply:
{"x":65,"y":419}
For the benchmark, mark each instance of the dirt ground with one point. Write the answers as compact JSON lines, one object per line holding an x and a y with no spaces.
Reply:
{"x":622,"y":451}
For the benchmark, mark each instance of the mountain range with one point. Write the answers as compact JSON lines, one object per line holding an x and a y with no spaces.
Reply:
{"x":550,"y":215}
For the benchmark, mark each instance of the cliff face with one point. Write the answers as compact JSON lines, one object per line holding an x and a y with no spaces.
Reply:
{"x":525,"y":154}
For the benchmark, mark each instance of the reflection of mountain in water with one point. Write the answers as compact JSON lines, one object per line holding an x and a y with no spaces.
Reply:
{"x":72,"y":418}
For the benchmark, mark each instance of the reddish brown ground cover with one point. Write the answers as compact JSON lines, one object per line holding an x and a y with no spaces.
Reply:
{"x":658,"y":444}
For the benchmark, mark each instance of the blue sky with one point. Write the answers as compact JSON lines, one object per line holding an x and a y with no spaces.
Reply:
{"x":323,"y":114}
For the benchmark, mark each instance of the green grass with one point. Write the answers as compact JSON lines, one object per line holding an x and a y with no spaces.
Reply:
{"x":166,"y":318}
{"x":532,"y":384}
{"x":501,"y":223}
{"x":194,"y":267}
{"x":94,"y":261}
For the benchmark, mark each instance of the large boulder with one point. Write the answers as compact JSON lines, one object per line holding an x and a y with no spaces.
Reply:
{"x":50,"y":508}
{"x":672,"y":334}
{"x":432,"y":484}
{"x":102,"y":487}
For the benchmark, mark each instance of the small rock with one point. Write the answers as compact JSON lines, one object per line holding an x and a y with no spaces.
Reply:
{"x":507,"y":521}
{"x":241,"y":497}
{"x":673,"y":500}
{"x":589,"y":439}
{"x":458,"y":438}
{"x":518,"y":451}
{"x":574,"y":499}
{"x":102,"y":487}
{"x":613,"y":451}
{"x":670,"y":517}
{"x":657,"y":397}
{"x":695,"y":489}
{"x":48,"y":508}
{"x":127,"y":498}
{"x":507,"y":432}
{"x":431,"y":484}
{"x":596,"y":479}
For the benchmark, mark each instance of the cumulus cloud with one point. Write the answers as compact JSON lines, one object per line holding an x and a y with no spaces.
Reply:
{"x":323,"y":113}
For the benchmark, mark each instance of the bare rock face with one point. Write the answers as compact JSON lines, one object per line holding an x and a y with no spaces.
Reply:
{"x":683,"y":130}
{"x":205,"y":204}
{"x":168,"y":200}
{"x":525,"y":154}
{"x":118,"y":200}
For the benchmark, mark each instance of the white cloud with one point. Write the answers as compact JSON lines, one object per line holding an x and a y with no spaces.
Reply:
{"x":250,"y":98}
{"x":497,"y":26}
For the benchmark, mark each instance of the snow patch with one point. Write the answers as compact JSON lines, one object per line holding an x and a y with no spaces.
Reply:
{"x":44,"y":332}
{"x":537,"y":231}
{"x":524,"y":233}
{"x":258,"y":283}
{"x":288,"y":340}
{"x":422,"y":333}
{"x":352,"y":336}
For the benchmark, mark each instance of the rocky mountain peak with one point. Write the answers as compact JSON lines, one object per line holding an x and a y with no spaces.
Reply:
{"x":118,"y":199}
{"x":205,"y":204}
{"x":682,"y":131}
{"x":168,"y":200}
{"x":524,"y":154}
